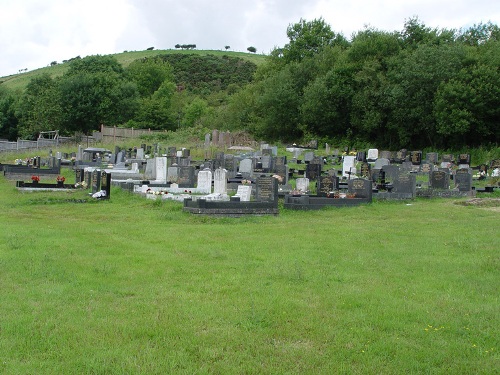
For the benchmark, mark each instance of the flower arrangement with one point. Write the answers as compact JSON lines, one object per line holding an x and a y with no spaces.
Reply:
{"x":246,"y":182}
{"x":82,"y":185}
{"x":60,"y":179}
{"x":35,"y":178}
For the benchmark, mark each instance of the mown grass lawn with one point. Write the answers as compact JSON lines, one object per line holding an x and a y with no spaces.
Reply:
{"x":135,"y":286}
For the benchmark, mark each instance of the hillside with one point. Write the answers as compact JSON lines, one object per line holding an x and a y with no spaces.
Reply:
{"x":19,"y":81}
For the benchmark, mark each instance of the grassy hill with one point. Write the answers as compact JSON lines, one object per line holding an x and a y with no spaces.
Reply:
{"x":19,"y":81}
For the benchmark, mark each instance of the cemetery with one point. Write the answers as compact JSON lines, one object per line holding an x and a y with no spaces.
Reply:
{"x":241,"y":181}
{"x":232,"y":246}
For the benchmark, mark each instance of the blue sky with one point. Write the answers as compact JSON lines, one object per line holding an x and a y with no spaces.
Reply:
{"x":33,"y":33}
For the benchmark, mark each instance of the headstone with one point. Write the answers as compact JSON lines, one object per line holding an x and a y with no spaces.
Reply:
{"x":463,"y":179}
{"x":308,"y":156}
{"x":244,"y":192}
{"x":385,"y":155}
{"x":150,"y":172}
{"x":391,"y":172}
{"x":416,"y":157}
{"x":432,"y":157}
{"x":171,"y":151}
{"x":313,"y":171}
{"x":96,"y":180}
{"x":246,"y":167}
{"x":448,"y":158}
{"x":204,"y":184}
{"x":186,"y":176}
{"x":173,"y":174}
{"x":405,"y":183}
{"x":267,"y":189}
{"x":348,"y":166}
{"x":207,"y":140}
{"x":372,"y":155}
{"x":266,"y":161}
{"x":380,"y":162}
{"x":361,"y":187}
{"x":302,"y":184}
{"x":140,"y":154}
{"x":365,"y":170}
{"x":220,"y":181}
{"x":400,"y":156}
{"x":361,"y":156}
{"x":79,"y":175}
{"x":426,"y":167}
{"x":161,"y":169}
{"x":464,"y":159}
{"x":327,"y":148}
{"x":105,"y":180}
{"x":327,"y":185}
{"x":439,"y":180}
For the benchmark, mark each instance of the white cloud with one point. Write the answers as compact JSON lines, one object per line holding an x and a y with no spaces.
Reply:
{"x":33,"y":33}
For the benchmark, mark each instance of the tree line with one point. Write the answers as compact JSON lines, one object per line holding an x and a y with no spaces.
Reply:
{"x":419,"y":87}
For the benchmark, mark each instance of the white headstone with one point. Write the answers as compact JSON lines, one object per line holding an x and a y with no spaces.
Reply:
{"x":179,"y":154}
{"x":349,"y":166}
{"x":204,"y":184}
{"x":244,"y":192}
{"x":372,"y":154}
{"x":220,"y":181}
{"x":140,"y":154}
{"x":302,"y":184}
{"x":161,"y":168}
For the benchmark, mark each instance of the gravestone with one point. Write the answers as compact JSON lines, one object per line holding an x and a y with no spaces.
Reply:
{"x":150,"y":172}
{"x":348,"y":166}
{"x":463,"y":179}
{"x":282,"y":172}
{"x":161,"y":169}
{"x":416,"y":157}
{"x":380,"y":162}
{"x":385,"y":155}
{"x":400,"y":156}
{"x":96,"y":180}
{"x":432,"y":157}
{"x":464,"y":159}
{"x":313,"y":171}
{"x":302,"y":184}
{"x":220,"y":181}
{"x":391,"y":172}
{"x":105,"y":181}
{"x":186,"y":176}
{"x":426,"y":167}
{"x":361,"y":156}
{"x":171,"y":151}
{"x":244,"y":192}
{"x":246,"y":167}
{"x":372,"y":155}
{"x":448,"y":158}
{"x":405,"y":183}
{"x":266,"y":189}
{"x":173,"y":173}
{"x":308,"y":156}
{"x":439,"y":180}
{"x":361,"y":187}
{"x":79,"y":175}
{"x":365,"y":170}
{"x":140,"y":154}
{"x":229,"y":163}
{"x":204,"y":184}
{"x":327,"y":185}
{"x":266,"y":162}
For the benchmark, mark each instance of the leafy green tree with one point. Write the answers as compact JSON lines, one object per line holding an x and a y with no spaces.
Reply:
{"x":149,"y":74}
{"x":467,"y":108}
{"x":308,"y":38}
{"x":94,"y":92}
{"x":8,"y":119}
{"x":252,"y":49}
{"x":155,"y":111}
{"x":40,"y":107}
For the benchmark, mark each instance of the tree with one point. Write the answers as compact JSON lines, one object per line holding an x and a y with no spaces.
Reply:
{"x":309,"y":38}
{"x":227,"y":47}
{"x":252,"y":49}
{"x":8,"y":119}
{"x":149,"y":74}
{"x":40,"y":107}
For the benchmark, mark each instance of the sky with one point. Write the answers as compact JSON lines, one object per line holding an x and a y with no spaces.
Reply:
{"x":34,"y":33}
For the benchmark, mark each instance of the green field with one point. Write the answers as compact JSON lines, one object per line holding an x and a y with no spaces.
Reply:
{"x":20,"y":81}
{"x":131,"y":285}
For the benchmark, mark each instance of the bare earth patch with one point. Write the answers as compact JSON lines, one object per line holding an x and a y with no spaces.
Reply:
{"x":492,"y":204}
